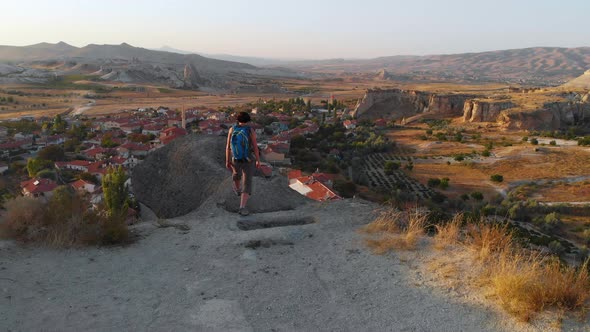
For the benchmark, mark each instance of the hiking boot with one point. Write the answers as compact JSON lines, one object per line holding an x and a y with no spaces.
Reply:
{"x":244,"y":212}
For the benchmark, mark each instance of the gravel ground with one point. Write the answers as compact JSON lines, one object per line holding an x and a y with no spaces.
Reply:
{"x":217,"y":277}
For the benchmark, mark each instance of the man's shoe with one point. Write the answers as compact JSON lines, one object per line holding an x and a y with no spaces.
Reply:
{"x":244,"y":212}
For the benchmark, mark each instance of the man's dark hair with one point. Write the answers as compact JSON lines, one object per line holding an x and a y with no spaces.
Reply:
{"x":243,"y":117}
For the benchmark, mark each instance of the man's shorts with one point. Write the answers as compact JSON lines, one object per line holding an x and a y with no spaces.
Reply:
{"x":247,"y":170}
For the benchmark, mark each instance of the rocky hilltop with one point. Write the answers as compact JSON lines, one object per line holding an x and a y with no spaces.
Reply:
{"x":397,"y":103}
{"x":178,"y":178}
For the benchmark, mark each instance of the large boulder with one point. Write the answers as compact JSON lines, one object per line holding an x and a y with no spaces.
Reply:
{"x":181,"y":176}
{"x":177,"y":178}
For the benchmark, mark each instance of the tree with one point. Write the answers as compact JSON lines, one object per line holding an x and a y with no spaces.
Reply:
{"x":35,"y":165}
{"x":496,"y":178}
{"x":52,"y":152}
{"x":390,"y":166}
{"x":115,"y":191}
{"x":477,"y":195}
{"x":59,"y":125}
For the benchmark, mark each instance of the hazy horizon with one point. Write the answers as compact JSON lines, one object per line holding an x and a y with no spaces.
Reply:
{"x":302,"y":30}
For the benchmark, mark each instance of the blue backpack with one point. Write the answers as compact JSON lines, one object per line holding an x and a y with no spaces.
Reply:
{"x":240,"y":143}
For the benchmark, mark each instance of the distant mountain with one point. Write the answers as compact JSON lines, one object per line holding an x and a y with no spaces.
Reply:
{"x":539,"y":65}
{"x":167,"y":48}
{"x":125,"y":63}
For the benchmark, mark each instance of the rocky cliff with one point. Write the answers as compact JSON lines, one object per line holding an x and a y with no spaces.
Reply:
{"x":483,"y":111}
{"x":396,"y":103}
{"x":556,"y":115}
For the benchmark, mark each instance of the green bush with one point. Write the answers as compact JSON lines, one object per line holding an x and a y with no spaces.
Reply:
{"x":553,"y":143}
{"x":433,"y":182}
{"x":477,"y":195}
{"x":496,"y":178}
{"x":486,"y":153}
{"x":534,"y":141}
{"x":345,"y":188}
{"x":525,"y":139}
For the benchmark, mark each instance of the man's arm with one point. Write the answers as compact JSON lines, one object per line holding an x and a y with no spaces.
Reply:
{"x":228,"y":163}
{"x":255,"y":147}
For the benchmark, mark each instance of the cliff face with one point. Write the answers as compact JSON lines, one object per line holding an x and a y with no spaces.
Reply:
{"x":396,"y":103}
{"x":483,"y":111}
{"x":552,"y":116}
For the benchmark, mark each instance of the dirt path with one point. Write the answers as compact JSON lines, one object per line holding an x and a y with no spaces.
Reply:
{"x":224,"y":276}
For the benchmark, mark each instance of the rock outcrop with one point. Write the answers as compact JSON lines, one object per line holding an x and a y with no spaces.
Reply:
{"x":179,"y":177}
{"x":484,"y":111}
{"x":397,"y":103}
{"x":556,"y":115}
{"x":582,"y":82}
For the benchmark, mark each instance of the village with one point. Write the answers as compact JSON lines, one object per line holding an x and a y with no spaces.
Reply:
{"x":44,"y":153}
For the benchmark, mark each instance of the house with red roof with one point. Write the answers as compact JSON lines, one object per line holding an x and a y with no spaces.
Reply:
{"x":349,"y":124}
{"x":23,"y":144}
{"x":83,"y":186}
{"x":38,"y":187}
{"x":380,"y":123}
{"x":77,"y":165}
{"x":310,"y":187}
{"x":169,"y":134}
{"x":153,"y":128}
{"x":96,"y":153}
{"x":98,"y":169}
{"x":272,"y":156}
{"x":135,"y":149}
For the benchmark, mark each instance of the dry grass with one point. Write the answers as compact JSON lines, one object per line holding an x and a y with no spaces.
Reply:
{"x":66,"y":220}
{"x":448,"y":234}
{"x":488,"y":239}
{"x":396,"y":230}
{"x":484,"y":258}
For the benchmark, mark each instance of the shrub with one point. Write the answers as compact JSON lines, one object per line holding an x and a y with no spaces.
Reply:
{"x":465,"y":197}
{"x":459,"y":157}
{"x":345,"y":188}
{"x":65,"y":220}
{"x":444,"y":183}
{"x":553,"y":143}
{"x":534,"y":141}
{"x":496,"y":178}
{"x":390,"y":166}
{"x":486,"y":153}
{"x":433,"y":182}
{"x":477,"y":195}
{"x":448,"y":234}
{"x":525,"y":139}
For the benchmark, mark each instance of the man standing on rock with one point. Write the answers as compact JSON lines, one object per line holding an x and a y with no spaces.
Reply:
{"x":240,"y":153}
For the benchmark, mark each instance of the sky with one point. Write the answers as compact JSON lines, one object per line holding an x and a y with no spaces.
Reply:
{"x":302,"y":29}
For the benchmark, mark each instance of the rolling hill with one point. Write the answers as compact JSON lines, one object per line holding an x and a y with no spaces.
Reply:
{"x":125,"y":63}
{"x":539,"y":65}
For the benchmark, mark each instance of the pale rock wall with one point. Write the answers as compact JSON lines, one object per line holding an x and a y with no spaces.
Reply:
{"x":483,"y":111}
{"x":395,"y":103}
{"x":556,"y":115}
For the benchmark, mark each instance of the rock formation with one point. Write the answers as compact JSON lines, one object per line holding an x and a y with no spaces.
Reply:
{"x":475,"y":110}
{"x":397,"y":103}
{"x":383,"y":75}
{"x":179,"y":177}
{"x":551,"y":116}
{"x":582,"y":82}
